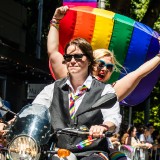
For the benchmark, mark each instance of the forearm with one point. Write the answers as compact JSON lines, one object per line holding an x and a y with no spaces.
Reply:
{"x":55,"y":57}
{"x":53,"y":36}
{"x":53,"y":40}
{"x":148,"y":67}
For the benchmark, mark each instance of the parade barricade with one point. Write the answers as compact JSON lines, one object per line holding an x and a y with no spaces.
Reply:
{"x":128,"y":151}
{"x":156,"y":154}
{"x":135,"y":153}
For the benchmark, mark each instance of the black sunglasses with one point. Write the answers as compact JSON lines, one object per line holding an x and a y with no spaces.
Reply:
{"x":77,"y":57}
{"x":103,"y":64}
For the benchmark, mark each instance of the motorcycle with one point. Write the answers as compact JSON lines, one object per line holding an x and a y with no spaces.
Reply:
{"x":30,"y":135}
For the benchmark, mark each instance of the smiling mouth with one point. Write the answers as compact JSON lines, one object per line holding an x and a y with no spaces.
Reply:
{"x":101,"y":76}
{"x":72,"y":66}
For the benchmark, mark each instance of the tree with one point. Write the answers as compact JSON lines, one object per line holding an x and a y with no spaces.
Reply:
{"x":120,"y":6}
{"x":145,"y":11}
{"x":152,"y":14}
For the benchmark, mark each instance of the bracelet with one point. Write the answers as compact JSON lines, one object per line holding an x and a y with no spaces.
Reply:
{"x":104,"y":125}
{"x":56,"y":18}
{"x":54,"y":24}
{"x":54,"y":21}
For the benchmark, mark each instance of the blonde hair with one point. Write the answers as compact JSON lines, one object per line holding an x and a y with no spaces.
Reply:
{"x":100,"y":53}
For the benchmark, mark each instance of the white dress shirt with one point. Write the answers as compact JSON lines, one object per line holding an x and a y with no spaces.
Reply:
{"x":111,"y":115}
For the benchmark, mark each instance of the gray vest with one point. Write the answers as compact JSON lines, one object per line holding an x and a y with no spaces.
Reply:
{"x":60,"y":117}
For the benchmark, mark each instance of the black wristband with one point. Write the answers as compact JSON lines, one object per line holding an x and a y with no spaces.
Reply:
{"x":104,"y":125}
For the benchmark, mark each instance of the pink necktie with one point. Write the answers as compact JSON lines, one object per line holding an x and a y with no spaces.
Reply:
{"x":73,"y":99}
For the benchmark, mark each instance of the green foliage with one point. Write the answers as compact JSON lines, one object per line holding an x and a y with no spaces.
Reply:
{"x":138,"y":117}
{"x":155,"y":106}
{"x":155,"y":116}
{"x":138,"y":9}
{"x":157,"y":25}
{"x":107,"y":4}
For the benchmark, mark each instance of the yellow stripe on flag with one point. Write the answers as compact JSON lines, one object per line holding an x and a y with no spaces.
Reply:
{"x":103,"y":29}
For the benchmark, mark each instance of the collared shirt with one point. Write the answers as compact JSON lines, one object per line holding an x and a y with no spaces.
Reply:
{"x":112,"y":115}
{"x":87,"y":83}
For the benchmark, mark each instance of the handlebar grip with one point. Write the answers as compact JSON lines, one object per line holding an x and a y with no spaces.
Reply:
{"x":108,"y":134}
{"x":77,"y":132}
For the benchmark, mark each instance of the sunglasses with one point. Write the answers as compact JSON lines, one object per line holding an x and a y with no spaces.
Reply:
{"x":77,"y":57}
{"x":102,"y":64}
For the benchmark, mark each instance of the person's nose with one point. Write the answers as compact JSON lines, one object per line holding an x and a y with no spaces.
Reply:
{"x":73,"y":59}
{"x":104,"y":68}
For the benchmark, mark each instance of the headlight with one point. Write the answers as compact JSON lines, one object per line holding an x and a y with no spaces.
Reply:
{"x":23,"y":147}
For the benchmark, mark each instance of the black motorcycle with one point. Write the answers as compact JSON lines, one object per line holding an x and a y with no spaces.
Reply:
{"x":30,"y":137}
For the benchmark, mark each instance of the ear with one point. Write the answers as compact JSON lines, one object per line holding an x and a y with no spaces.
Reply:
{"x":95,"y":68}
{"x":64,"y":62}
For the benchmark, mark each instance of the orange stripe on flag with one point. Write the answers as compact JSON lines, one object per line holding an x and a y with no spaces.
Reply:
{"x":84,"y":27}
{"x":82,"y":8}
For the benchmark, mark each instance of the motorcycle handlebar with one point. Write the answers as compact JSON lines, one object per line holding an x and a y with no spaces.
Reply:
{"x":79,"y":132}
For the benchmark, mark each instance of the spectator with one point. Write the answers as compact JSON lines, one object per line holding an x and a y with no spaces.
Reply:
{"x":149,"y":138}
{"x":115,"y":141}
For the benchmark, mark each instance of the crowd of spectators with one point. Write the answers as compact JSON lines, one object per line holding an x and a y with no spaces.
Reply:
{"x":143,"y":141}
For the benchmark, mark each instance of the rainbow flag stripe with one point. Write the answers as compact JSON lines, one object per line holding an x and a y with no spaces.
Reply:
{"x":73,"y":3}
{"x":117,"y":155}
{"x":132,"y":42}
{"x":85,"y":143}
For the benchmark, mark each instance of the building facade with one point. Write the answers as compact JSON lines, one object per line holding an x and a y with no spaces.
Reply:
{"x":18,"y":69}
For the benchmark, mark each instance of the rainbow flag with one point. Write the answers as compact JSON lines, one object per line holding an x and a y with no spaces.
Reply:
{"x":85,"y":142}
{"x":72,"y":3}
{"x":132,"y":42}
{"x":117,"y":155}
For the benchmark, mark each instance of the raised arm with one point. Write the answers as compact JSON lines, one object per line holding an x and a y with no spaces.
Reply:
{"x":127,"y":84}
{"x":55,"y":57}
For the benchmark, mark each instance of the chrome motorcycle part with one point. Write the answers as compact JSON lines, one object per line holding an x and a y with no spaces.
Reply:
{"x":24,"y":147}
{"x":30,"y":131}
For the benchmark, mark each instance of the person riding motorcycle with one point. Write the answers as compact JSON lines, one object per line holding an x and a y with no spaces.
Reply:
{"x":79,"y":90}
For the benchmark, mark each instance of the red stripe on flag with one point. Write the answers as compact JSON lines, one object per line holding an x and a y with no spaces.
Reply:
{"x":66,"y":31}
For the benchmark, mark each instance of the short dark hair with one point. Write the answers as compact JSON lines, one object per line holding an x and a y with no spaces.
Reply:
{"x":85,"y":47}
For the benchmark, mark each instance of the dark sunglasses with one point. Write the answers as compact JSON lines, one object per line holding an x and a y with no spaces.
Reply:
{"x":102,"y":64}
{"x":77,"y":57}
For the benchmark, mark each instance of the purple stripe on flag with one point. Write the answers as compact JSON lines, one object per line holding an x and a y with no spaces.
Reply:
{"x":80,"y":1}
{"x":134,"y":57}
{"x":72,"y":4}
